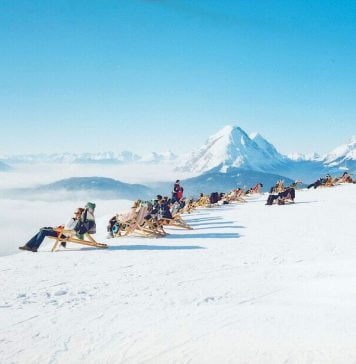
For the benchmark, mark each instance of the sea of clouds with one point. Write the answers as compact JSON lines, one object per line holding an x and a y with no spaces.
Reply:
{"x":21,"y":219}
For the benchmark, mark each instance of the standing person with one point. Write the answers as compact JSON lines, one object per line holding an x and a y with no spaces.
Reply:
{"x":34,"y":243}
{"x":176,"y":191}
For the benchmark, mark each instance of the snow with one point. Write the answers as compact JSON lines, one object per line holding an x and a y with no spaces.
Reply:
{"x":101,"y":157}
{"x":304,"y":157}
{"x":342,"y":153}
{"x":251,"y":283}
{"x":232,"y":146}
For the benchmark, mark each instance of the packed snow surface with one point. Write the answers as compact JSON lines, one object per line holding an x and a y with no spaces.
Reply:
{"x":250,"y":284}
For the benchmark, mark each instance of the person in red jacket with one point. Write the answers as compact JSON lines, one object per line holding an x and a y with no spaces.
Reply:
{"x":177,"y":192}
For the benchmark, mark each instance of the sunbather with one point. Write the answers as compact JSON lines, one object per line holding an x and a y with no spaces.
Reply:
{"x":345,"y":178}
{"x":322,"y":181}
{"x":281,"y":197}
{"x":34,"y":243}
{"x":257,"y":188}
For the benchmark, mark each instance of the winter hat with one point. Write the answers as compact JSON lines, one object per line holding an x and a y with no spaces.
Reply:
{"x":90,"y":205}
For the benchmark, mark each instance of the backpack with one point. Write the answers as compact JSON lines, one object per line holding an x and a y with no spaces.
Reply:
{"x":86,"y":224}
{"x":214,"y":197}
{"x":180,"y":193}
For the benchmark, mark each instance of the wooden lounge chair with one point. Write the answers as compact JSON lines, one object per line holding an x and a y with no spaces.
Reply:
{"x":138,"y":225}
{"x":176,"y":221}
{"x":70,"y":236}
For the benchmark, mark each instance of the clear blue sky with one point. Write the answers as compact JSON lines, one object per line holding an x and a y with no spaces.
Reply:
{"x":145,"y":75}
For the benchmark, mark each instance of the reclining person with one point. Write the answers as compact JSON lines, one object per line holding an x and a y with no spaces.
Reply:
{"x":320,"y":182}
{"x":287,"y":194}
{"x":34,"y":243}
{"x":116,"y":221}
{"x":257,"y":188}
{"x":164,"y":209}
{"x":278,"y":187}
{"x":345,"y":178}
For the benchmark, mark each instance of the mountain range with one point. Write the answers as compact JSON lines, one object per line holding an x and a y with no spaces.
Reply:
{"x":124,"y":157}
{"x":81,"y":188}
{"x":229,"y":147}
{"x":233,"y":147}
{"x":228,"y":159}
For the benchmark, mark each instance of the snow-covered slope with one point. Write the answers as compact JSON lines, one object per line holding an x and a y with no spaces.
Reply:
{"x":232,"y":147}
{"x":268,"y":148}
{"x":239,"y":288}
{"x":342,"y":157}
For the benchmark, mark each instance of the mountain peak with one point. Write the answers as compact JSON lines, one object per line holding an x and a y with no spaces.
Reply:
{"x":231,"y":146}
{"x":230,"y":131}
{"x":343,"y":154}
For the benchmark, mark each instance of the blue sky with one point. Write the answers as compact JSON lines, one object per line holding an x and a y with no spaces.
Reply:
{"x":152,"y":75}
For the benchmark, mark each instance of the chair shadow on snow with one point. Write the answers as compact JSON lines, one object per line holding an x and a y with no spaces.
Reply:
{"x":205,"y":236}
{"x":188,"y":220}
{"x":149,"y":247}
{"x":219,"y":227}
{"x":299,"y":202}
{"x":211,"y":223}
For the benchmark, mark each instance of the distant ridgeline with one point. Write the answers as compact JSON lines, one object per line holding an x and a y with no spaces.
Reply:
{"x":4,"y":166}
{"x":230,"y":158}
{"x":91,"y":188}
{"x":84,"y":188}
{"x":218,"y":181}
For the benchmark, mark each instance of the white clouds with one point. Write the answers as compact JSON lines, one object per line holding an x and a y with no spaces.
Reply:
{"x":20,"y":220}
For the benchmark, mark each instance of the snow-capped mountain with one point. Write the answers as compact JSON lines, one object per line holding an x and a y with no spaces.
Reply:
{"x":81,"y":158}
{"x":233,"y":147}
{"x":304,"y":156}
{"x":155,"y":157}
{"x":229,"y":147}
{"x":87,"y":158}
{"x":342,"y":157}
{"x":267,"y":147}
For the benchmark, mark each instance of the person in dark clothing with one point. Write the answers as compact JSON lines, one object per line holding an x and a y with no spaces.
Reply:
{"x":177,"y":192}
{"x":289,"y":193}
{"x":320,"y":181}
{"x":164,"y":210}
{"x":316,"y":184}
{"x":34,"y":243}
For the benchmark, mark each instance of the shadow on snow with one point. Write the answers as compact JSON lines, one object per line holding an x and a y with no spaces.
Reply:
{"x":205,"y":236}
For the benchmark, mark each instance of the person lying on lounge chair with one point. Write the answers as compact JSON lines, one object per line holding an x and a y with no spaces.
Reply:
{"x":323,"y":181}
{"x":278,"y":187}
{"x":34,"y":243}
{"x":281,"y":197}
{"x":114,"y":223}
{"x":345,"y":178}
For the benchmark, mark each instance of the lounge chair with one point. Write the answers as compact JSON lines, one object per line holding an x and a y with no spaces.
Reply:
{"x":70,"y":236}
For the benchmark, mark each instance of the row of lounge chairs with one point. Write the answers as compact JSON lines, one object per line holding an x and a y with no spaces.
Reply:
{"x":149,"y":219}
{"x":141,"y":220}
{"x":329,"y":181}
